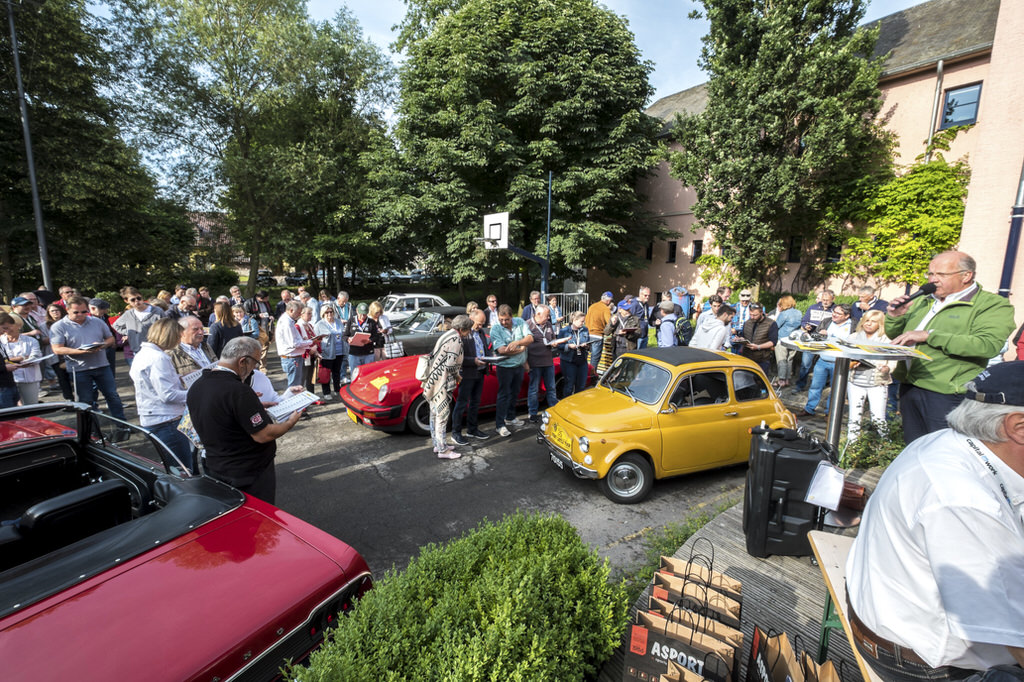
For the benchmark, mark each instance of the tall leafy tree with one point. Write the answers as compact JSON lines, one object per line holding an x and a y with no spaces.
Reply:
{"x":105,"y":225}
{"x":788,"y":146}
{"x":497,"y":93}
{"x":250,"y":106}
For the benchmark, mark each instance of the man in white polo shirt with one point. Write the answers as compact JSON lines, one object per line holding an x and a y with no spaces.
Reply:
{"x":935,"y":577}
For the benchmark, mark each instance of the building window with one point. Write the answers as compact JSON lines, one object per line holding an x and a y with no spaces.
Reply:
{"x":650,"y":251}
{"x":961,"y":106}
{"x":835,"y":251}
{"x":795,"y":246}
{"x":698,"y":250}
{"x":671,"y":252}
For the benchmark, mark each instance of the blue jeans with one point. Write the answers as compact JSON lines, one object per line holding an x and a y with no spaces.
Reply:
{"x":595,"y":350}
{"x":168,"y":434}
{"x":575,"y":376}
{"x":467,"y":404}
{"x":538,"y":374}
{"x":510,"y":380}
{"x":101,"y":378}
{"x":806,"y":362}
{"x":822,"y":375}
{"x":359,"y":360}
{"x":9,"y":396}
{"x":292,"y":370}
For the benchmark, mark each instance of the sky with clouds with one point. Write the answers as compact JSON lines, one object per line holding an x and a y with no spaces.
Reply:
{"x":664,"y":33}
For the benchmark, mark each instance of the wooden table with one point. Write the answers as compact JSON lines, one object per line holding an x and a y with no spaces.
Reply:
{"x":831,"y":551}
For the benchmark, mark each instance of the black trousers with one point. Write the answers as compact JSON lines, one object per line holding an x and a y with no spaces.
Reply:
{"x":924,"y":411}
{"x":468,"y":403}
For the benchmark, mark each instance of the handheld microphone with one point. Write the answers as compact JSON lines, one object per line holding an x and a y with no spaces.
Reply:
{"x":926,"y":290}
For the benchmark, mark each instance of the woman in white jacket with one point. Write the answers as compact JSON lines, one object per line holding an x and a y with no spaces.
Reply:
{"x":869,"y":382}
{"x":20,"y":348}
{"x":159,"y":393}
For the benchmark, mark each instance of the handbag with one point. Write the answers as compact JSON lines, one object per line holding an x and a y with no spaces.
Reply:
{"x":422,"y":367}
{"x":323,"y":375}
{"x":394,"y":349}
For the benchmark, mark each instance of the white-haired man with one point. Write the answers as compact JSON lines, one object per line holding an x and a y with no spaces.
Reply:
{"x":936,"y":574}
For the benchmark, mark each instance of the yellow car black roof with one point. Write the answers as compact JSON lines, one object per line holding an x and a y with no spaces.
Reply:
{"x":678,"y":355}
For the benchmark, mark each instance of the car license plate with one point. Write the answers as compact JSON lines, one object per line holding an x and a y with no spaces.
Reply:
{"x":352,"y":416}
{"x":557,"y":462}
{"x":560,"y":438}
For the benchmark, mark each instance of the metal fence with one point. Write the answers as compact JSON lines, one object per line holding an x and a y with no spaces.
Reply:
{"x":570,"y":303}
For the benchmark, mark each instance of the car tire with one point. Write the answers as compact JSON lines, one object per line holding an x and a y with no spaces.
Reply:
{"x":418,"y":419}
{"x":629,"y":480}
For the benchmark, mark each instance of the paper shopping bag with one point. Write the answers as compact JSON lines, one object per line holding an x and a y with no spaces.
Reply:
{"x":672,"y":588}
{"x":818,"y":672}
{"x":678,"y":673}
{"x":772,"y":659}
{"x":677,"y":613}
{"x":654,"y":641}
{"x":693,"y":569}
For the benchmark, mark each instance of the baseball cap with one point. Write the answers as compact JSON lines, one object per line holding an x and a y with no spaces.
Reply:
{"x":20,"y":300}
{"x":362,"y":309}
{"x":99,"y":303}
{"x":667,"y":306}
{"x":623,"y":304}
{"x":607,"y":294}
{"x":1001,"y":384}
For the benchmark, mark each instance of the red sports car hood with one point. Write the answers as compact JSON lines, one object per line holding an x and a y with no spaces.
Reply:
{"x":398,"y":373}
{"x":182,"y":611}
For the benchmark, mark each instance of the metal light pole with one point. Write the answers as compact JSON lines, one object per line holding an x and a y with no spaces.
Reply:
{"x":37,"y":210}
{"x":544,"y":280}
{"x":1013,"y":239}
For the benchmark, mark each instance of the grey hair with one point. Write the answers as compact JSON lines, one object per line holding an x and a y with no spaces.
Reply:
{"x":223,"y":299}
{"x":294,"y":305}
{"x":239,"y":347}
{"x":185,"y":321}
{"x":866,"y":289}
{"x":343,"y":293}
{"x":462,"y":323}
{"x":191,"y":291}
{"x":540,"y":308}
{"x":983,"y":421}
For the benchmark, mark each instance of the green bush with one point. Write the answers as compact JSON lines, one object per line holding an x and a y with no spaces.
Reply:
{"x":522,"y":599}
{"x":876,"y":445}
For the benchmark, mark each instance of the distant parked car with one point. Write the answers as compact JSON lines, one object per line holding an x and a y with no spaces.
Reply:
{"x":421,"y":329}
{"x":162,"y":574}
{"x":400,"y":306}
{"x":295,"y":278}
{"x":265,"y":278}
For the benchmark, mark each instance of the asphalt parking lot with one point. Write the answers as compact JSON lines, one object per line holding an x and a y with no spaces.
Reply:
{"x":388,"y":494}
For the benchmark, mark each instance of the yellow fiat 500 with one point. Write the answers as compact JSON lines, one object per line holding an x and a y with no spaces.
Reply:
{"x":661,"y":412}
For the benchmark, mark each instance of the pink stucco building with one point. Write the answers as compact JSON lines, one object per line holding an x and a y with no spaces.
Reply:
{"x":951,"y":61}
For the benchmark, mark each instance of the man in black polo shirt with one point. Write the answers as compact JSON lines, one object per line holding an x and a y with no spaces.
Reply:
{"x":236,"y":431}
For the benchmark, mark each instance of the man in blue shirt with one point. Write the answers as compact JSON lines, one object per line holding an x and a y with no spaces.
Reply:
{"x":510,"y":339}
{"x":88,"y":367}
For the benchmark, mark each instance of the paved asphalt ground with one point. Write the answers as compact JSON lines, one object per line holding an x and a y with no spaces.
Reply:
{"x":388,"y":494}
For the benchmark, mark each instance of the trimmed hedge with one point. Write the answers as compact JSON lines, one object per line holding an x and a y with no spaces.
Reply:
{"x":522,"y":599}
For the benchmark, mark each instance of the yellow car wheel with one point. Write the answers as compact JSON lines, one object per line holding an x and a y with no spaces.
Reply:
{"x":629,"y":480}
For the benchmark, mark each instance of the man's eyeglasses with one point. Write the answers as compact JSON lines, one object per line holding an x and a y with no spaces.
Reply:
{"x":945,"y":274}
{"x":249,"y":357}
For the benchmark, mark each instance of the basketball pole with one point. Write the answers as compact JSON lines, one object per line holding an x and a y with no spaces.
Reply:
{"x":544,"y":269}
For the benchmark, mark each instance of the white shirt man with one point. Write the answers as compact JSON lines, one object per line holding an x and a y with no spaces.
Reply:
{"x":938,"y":566}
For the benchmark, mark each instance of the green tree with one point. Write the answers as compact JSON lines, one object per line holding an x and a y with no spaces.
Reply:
{"x":251,"y":106}
{"x":497,"y":93}
{"x":788,"y":146}
{"x":911,"y":218}
{"x":105,"y":225}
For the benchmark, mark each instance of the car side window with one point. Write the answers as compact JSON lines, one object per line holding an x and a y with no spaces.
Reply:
{"x":683,"y":395}
{"x":709,"y":388}
{"x":410,"y":304}
{"x":748,"y":386}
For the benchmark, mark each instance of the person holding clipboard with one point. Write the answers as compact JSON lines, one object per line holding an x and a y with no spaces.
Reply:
{"x":363,"y":333}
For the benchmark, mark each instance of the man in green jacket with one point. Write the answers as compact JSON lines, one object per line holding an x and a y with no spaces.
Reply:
{"x":960,"y":327}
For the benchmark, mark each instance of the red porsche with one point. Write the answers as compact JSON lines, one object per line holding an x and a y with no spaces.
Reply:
{"x":386,"y":395}
{"x":115,"y":563}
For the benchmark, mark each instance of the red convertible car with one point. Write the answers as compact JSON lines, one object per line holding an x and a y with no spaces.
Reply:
{"x":386,"y":395}
{"x":116,"y":564}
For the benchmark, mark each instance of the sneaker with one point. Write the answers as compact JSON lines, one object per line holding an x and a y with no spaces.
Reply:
{"x":326,"y":397}
{"x":459,"y":438}
{"x":513,"y":422}
{"x":449,"y":454}
{"x":504,"y":432}
{"x":535,"y":419}
{"x":478,"y":434}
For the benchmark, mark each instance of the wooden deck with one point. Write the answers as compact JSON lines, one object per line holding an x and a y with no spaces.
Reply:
{"x":785,"y":594}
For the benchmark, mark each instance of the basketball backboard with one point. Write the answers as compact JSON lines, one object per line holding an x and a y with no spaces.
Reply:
{"x":496,"y":231}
